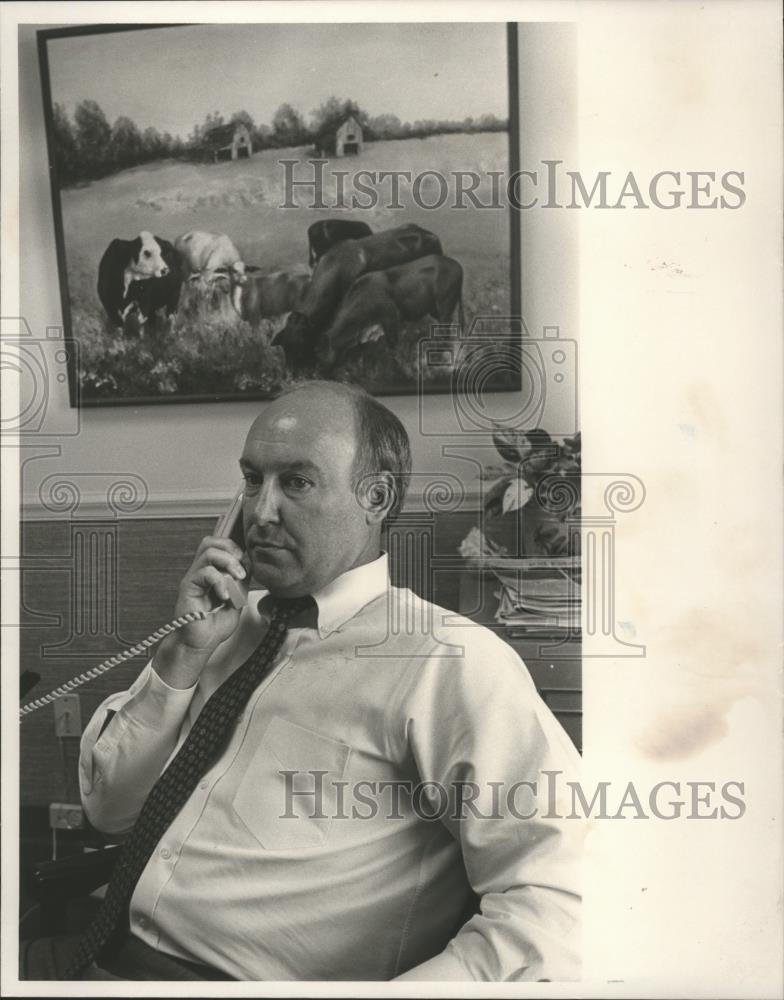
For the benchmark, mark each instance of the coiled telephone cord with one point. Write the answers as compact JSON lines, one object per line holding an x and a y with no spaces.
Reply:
{"x":113,"y":661}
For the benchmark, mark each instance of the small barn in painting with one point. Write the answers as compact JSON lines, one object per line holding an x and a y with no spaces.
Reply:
{"x":344,"y":138}
{"x":228,"y":142}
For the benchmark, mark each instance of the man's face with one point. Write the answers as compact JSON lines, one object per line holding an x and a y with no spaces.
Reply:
{"x":303,"y":523}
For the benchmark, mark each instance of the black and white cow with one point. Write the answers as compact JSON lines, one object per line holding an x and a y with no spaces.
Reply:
{"x":155,"y":294}
{"x":123,"y":263}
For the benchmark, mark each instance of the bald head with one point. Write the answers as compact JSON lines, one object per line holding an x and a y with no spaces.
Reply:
{"x":307,"y":517}
{"x":311,"y":413}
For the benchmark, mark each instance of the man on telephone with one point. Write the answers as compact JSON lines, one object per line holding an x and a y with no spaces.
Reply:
{"x":305,"y":792}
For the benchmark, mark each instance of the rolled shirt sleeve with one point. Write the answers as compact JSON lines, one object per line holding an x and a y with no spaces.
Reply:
{"x":478,"y":728}
{"x":126,"y":745}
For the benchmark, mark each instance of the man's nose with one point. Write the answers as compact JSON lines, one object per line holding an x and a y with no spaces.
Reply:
{"x":265,"y":507}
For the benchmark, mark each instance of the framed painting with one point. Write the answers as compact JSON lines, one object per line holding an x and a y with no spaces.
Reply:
{"x":240,"y":205}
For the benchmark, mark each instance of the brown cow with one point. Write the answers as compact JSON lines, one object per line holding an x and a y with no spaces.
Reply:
{"x":329,"y":232}
{"x":380,"y":302}
{"x":340,"y":266}
{"x":265,"y":296}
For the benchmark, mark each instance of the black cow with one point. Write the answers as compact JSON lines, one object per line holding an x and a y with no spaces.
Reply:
{"x":344,"y":263}
{"x":153,"y":294}
{"x":124,"y":262}
{"x":329,"y":232}
{"x":379,"y":303}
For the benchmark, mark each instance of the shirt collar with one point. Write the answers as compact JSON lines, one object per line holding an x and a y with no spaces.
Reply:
{"x":348,"y":593}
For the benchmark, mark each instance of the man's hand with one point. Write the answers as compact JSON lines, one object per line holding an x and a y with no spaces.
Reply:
{"x":182,"y":656}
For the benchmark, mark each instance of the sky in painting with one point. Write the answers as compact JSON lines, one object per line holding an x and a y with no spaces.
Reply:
{"x":171,"y":78}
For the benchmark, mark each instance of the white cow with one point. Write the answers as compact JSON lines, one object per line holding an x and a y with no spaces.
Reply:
{"x":204,"y":253}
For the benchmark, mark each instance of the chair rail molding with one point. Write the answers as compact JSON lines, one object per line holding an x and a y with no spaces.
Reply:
{"x":424,"y":492}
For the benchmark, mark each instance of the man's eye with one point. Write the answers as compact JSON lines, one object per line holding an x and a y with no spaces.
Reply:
{"x":252,"y":481}
{"x":298,"y":483}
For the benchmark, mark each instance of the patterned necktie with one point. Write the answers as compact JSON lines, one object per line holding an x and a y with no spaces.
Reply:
{"x":202,"y":747}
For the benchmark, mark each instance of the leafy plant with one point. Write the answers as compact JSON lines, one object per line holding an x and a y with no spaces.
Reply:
{"x":536,"y":486}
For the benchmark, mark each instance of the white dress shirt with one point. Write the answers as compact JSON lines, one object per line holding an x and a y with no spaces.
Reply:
{"x":389,"y":689}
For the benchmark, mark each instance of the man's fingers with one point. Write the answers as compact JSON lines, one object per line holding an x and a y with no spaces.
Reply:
{"x":213,"y":542}
{"x":227,"y":560}
{"x":206,"y":580}
{"x":211,"y":579}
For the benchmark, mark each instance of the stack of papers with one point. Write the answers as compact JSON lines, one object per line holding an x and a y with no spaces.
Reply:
{"x":539,"y":594}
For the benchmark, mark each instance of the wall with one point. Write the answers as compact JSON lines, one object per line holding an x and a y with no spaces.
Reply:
{"x":186,"y":453}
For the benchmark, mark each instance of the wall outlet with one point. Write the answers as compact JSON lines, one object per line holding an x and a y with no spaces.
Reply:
{"x":65,"y":816}
{"x":67,"y":715}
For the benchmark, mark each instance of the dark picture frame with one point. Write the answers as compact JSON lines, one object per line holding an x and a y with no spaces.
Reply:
{"x":109,"y":161}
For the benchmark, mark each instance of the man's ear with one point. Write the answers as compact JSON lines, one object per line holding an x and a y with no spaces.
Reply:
{"x":376,"y":494}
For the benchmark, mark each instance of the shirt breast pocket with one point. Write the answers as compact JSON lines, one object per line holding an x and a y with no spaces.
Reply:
{"x":267,"y":799}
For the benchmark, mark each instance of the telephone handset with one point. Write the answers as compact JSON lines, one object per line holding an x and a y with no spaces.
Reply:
{"x":230,"y":522}
{"x":229,"y":526}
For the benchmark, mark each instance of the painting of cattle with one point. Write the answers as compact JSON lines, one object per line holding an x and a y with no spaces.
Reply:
{"x":187,"y":276}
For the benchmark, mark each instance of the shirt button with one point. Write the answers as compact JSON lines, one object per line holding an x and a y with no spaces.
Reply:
{"x":144,"y":923}
{"x":165,"y":853}
{"x":204,"y":783}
